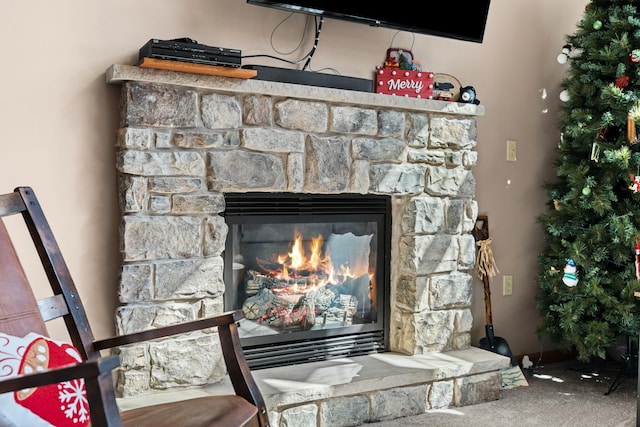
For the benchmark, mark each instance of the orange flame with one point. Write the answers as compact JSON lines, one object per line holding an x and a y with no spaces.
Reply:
{"x":311,"y":268}
{"x":297,"y":260}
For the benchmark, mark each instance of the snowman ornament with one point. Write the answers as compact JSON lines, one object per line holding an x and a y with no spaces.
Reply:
{"x":570,"y":276}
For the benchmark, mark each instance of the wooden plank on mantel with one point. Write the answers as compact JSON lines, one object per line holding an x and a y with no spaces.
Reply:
{"x":190,"y":67}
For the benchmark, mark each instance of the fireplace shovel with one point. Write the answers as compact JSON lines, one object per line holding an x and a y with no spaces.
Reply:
{"x":484,"y":268}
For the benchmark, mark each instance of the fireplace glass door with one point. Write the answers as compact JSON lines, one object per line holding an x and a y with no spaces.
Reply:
{"x":310,"y":274}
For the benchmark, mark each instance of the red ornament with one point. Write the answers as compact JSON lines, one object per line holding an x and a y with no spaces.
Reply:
{"x":622,"y":82}
{"x":635,"y":183}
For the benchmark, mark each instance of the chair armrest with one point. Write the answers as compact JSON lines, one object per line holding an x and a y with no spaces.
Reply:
{"x":165,"y":331}
{"x":87,"y":369}
{"x":239,"y":372}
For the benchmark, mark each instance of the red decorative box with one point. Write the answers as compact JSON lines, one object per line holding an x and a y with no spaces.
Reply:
{"x":413,"y":84}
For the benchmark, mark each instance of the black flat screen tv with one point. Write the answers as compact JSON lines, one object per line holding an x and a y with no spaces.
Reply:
{"x":456,"y":19}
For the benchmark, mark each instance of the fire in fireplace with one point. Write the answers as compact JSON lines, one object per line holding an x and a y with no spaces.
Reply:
{"x":311,"y":274}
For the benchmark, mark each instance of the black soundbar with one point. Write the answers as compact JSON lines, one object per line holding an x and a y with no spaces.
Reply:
{"x":310,"y":78}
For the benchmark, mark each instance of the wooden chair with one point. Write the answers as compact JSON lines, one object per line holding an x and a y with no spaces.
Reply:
{"x":20,"y":314}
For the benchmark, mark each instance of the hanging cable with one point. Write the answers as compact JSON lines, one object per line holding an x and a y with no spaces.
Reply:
{"x":315,"y":42}
{"x":413,"y":41}
{"x":304,"y":31}
{"x":307,"y":57}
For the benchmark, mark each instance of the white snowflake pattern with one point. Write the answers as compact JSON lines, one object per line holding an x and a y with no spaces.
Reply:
{"x":73,"y":397}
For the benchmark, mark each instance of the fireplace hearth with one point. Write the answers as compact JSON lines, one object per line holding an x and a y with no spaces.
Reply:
{"x":310,"y":272}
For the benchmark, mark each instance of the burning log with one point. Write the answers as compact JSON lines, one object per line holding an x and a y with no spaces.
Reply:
{"x":280,"y":269}
{"x":301,"y":316}
{"x":256,"y":281}
{"x":324,"y":299}
{"x":258,"y":305}
{"x":281,"y":303}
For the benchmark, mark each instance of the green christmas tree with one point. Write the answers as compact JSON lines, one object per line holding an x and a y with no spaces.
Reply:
{"x":593,"y":221}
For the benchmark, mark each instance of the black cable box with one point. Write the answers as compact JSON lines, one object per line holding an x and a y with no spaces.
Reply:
{"x":193,"y":57}
{"x":190,"y":52}
{"x":310,"y":78}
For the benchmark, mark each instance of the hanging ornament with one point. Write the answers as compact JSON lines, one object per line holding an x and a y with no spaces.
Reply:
{"x":597,"y":24}
{"x":635,"y":183}
{"x":586,"y":191}
{"x":564,"y":96}
{"x":631,"y":129}
{"x":564,"y":54}
{"x":635,"y":55}
{"x":570,"y":276}
{"x":602,"y":134}
{"x":595,"y":151}
{"x":637,"y":250}
{"x":485,"y":262}
{"x":622,"y":82}
{"x":632,"y":116}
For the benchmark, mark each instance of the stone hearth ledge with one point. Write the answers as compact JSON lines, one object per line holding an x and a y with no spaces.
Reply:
{"x":374,"y":379}
{"x":118,"y":73}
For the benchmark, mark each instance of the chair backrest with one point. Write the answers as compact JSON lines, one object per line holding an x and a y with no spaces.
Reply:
{"x":20,"y":313}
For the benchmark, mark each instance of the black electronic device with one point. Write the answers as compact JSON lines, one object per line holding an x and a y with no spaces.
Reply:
{"x":310,"y":78}
{"x":188,"y":50}
{"x":456,"y":19}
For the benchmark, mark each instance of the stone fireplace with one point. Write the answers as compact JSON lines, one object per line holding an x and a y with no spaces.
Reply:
{"x":186,"y":140}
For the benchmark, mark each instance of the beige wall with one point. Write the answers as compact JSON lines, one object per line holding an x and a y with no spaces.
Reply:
{"x":59,"y":118}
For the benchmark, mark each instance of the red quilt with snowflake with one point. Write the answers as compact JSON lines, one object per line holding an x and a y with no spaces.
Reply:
{"x":61,"y":405}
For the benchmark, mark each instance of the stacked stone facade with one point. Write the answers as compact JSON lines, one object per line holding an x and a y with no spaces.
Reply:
{"x":181,"y":147}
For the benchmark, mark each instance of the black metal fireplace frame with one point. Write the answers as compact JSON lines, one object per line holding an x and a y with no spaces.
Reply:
{"x":282,"y":349}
